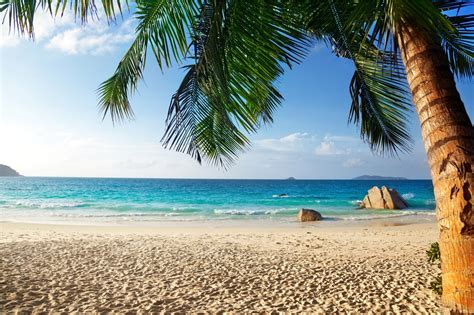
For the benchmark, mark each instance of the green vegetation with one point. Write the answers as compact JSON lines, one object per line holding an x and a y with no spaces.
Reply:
{"x":434,"y":257}
{"x":235,"y":51}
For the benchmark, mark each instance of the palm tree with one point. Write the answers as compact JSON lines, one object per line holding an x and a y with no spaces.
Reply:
{"x":416,"y":41}
{"x":234,"y":50}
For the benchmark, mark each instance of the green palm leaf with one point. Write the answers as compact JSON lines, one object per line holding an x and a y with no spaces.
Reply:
{"x":380,"y":103}
{"x":163,"y":25}
{"x":380,"y":98}
{"x":238,"y":49}
{"x":459,"y":45}
{"x":381,"y":21}
{"x":229,"y":91}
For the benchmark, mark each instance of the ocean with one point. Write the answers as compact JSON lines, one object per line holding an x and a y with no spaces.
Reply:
{"x":126,"y":200}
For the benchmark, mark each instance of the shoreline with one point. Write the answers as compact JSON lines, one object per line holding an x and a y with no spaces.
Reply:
{"x":373,"y":267}
{"x":249,"y":226}
{"x":247,"y":221}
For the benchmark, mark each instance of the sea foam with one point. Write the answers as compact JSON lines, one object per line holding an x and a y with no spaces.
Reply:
{"x":48,"y":204}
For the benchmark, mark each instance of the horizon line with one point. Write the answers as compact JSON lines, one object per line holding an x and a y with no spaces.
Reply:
{"x":217,"y":178}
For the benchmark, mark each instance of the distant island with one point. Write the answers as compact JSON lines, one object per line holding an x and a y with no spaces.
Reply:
{"x":375,"y":177}
{"x":291,"y":178}
{"x":8,"y":171}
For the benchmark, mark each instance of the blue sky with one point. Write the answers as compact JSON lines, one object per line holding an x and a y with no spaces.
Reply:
{"x":50,"y":125}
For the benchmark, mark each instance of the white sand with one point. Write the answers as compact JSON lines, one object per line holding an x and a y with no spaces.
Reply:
{"x":375,"y":267}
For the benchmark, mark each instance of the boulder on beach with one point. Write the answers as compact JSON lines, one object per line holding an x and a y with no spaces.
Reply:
{"x":309,"y":215}
{"x":384,"y":198}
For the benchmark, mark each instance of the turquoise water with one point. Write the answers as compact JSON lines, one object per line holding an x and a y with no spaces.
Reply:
{"x":90,"y":200}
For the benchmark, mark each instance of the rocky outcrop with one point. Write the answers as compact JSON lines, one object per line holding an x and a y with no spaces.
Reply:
{"x":384,"y":198}
{"x":7,"y":171}
{"x":309,"y":215}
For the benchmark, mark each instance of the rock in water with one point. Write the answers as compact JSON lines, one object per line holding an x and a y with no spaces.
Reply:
{"x":309,"y":215}
{"x":393,"y":199}
{"x":384,"y":198}
{"x":374,"y":199}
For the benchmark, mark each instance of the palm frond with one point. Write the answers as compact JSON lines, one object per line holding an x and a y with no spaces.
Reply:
{"x":380,"y":98}
{"x":199,"y":127}
{"x":167,"y":24}
{"x":163,"y":25}
{"x":114,"y":92}
{"x":382,"y":20}
{"x":459,"y":43}
{"x":19,"y":14}
{"x":198,"y":123}
{"x":380,"y":103}
{"x":449,"y":5}
{"x":375,"y":25}
{"x":239,"y":49}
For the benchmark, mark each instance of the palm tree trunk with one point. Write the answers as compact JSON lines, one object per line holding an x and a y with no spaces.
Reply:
{"x":448,"y":136}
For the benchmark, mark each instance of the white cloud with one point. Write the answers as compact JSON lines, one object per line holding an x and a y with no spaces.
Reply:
{"x":67,"y":36}
{"x":304,"y":142}
{"x":328,"y":146}
{"x":291,"y":142}
{"x":294,"y":137}
{"x":91,"y":39}
{"x":351,"y":163}
{"x":45,"y":26}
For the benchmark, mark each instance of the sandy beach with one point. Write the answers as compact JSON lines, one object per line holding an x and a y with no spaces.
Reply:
{"x":374,"y":267}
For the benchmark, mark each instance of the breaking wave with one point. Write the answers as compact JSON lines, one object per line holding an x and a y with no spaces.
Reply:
{"x":48,"y":205}
{"x":355,"y":202}
{"x":251,"y":212}
{"x":383,"y":216}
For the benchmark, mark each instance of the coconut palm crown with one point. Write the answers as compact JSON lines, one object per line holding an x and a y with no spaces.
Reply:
{"x":234,"y":51}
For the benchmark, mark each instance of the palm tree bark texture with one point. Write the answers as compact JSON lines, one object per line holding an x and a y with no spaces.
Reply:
{"x":448,"y":137}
